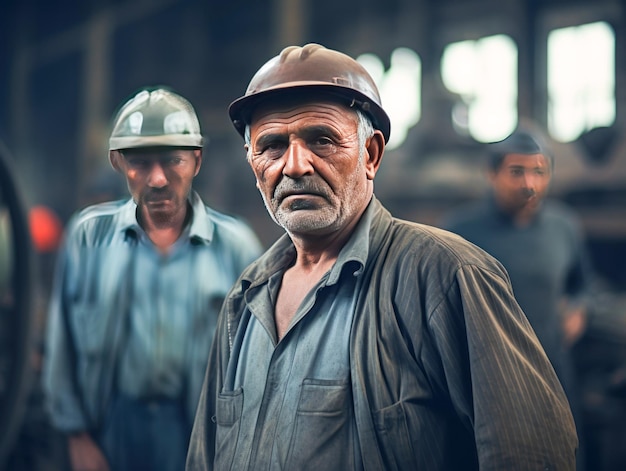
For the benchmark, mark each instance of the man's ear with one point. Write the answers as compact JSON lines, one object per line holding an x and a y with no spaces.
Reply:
{"x":198,"y":155}
{"x":114,"y":158}
{"x":375,"y":148}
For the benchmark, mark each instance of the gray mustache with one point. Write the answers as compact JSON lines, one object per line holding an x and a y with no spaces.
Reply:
{"x":288,"y":186}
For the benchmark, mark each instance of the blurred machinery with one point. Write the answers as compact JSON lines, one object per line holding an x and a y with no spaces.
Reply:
{"x":15,"y":307}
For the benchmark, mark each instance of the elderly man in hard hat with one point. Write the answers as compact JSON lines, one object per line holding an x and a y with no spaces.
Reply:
{"x":137,"y":292}
{"x":360,"y":341}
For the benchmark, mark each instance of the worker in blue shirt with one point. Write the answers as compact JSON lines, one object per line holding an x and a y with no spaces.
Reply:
{"x":137,"y":290}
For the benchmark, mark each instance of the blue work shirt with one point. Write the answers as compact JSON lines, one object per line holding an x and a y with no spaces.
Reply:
{"x":296,"y":394}
{"x":115,"y":297}
{"x":163,"y":297}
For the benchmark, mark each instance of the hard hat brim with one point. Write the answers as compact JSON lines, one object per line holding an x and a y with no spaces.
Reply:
{"x":241,"y":109}
{"x":172,"y":140}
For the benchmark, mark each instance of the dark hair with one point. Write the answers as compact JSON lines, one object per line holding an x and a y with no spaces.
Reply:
{"x":519,"y":142}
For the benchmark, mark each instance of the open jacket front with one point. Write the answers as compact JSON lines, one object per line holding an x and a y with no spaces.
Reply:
{"x":446,"y":372}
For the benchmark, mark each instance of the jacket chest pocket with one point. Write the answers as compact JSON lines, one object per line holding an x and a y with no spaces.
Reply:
{"x":393,"y":432}
{"x":227,"y":419}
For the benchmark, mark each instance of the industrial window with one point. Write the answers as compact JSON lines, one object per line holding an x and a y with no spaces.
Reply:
{"x":581,"y":79}
{"x":483,"y":73}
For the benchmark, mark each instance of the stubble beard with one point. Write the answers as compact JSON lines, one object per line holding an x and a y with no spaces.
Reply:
{"x":310,"y":217}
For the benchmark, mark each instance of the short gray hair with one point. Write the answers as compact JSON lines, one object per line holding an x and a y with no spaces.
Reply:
{"x":365,"y":130}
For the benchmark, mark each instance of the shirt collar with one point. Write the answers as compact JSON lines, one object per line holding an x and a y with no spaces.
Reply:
{"x":281,"y":254}
{"x":357,"y":247}
{"x":200,"y":230}
{"x":202,"y":226}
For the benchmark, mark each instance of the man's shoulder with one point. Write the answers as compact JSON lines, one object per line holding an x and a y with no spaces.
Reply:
{"x":105,"y":209}
{"x":559,"y":211}
{"x":225,"y":221}
{"x":96,"y":219}
{"x":210,"y":214}
{"x":230,"y":229}
{"x":436,"y":246}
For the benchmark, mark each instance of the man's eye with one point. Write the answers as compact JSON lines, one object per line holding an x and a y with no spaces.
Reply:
{"x":323,"y":146}
{"x":137,"y":163}
{"x":319,"y":140}
{"x":272,"y":150}
{"x":323,"y":141}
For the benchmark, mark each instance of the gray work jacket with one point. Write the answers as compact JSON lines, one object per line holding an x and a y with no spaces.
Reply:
{"x":446,"y":371}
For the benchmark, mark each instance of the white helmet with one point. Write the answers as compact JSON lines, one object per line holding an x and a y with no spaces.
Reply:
{"x":156,"y":117}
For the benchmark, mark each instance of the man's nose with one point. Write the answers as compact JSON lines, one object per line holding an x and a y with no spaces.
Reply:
{"x":297,"y":159}
{"x":530,"y":181}
{"x":157,"y":177}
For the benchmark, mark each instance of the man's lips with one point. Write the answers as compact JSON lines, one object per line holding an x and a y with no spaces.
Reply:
{"x":299,"y":195}
{"x":294,"y":201}
{"x":284,"y":194}
{"x":156,"y":201}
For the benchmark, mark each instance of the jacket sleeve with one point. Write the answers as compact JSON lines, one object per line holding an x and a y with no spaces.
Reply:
{"x":63,"y":400}
{"x":201,"y":452}
{"x":499,"y":377}
{"x":202,"y":442}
